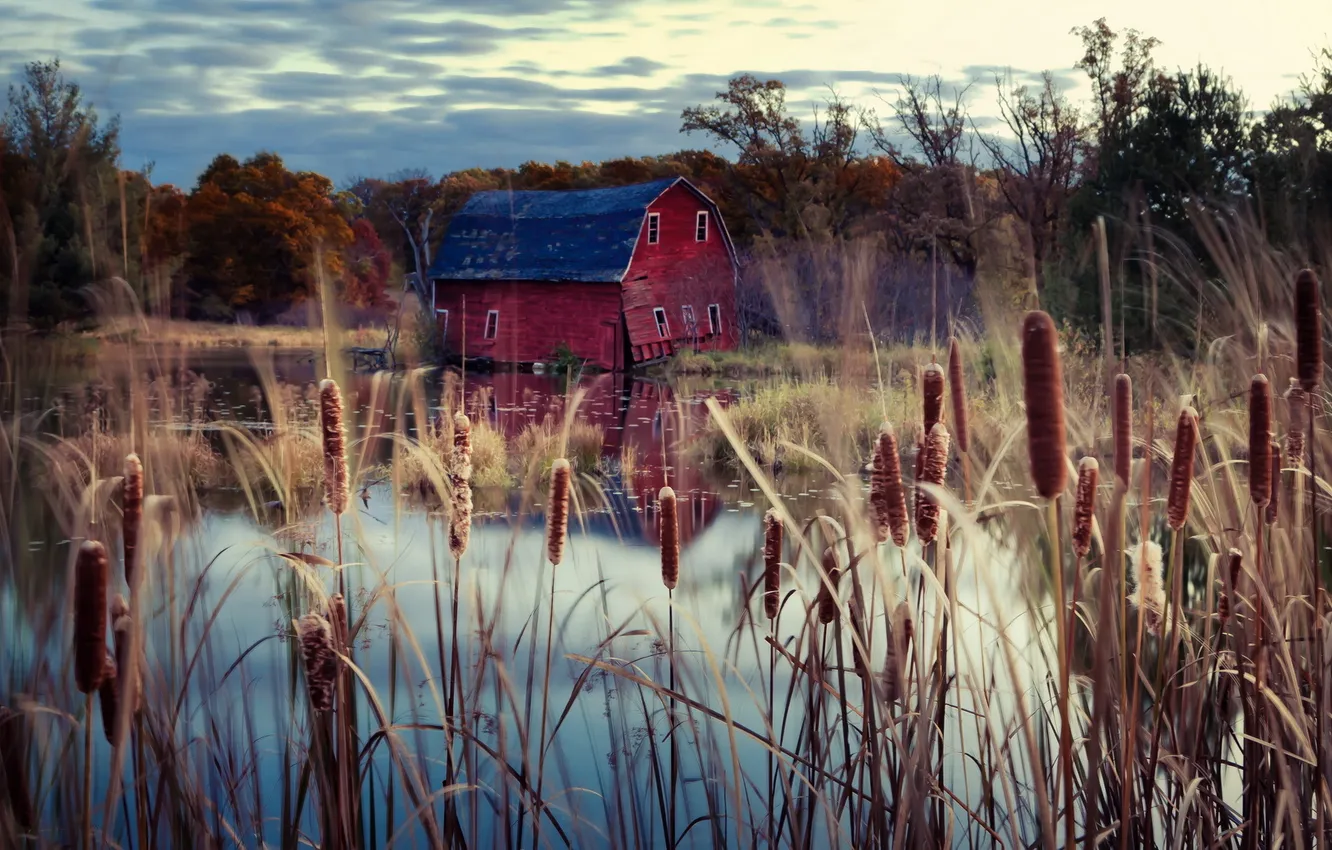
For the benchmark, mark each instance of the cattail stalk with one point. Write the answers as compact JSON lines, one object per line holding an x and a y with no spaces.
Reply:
{"x":1260,"y":441}
{"x":887,"y":495}
{"x":557,"y":511}
{"x":1181,"y":469}
{"x":131,"y":502}
{"x":90,"y":577}
{"x":108,"y":693}
{"x":1309,"y":331}
{"x":772,"y":563}
{"x":1043,"y":386}
{"x":933,"y":470}
{"x":1084,"y":508}
{"x":1122,"y":422}
{"x":932,"y":393}
{"x":670,"y":538}
{"x":957,"y":388}
{"x":334,"y":445}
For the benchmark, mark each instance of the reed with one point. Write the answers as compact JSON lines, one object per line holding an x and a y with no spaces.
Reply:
{"x":557,"y":511}
{"x":1122,"y":426}
{"x":1084,"y":507}
{"x":1180,"y":488}
{"x":772,"y":563}
{"x":933,"y":470}
{"x":1043,"y":392}
{"x":887,"y":495}
{"x":131,"y":502}
{"x":1260,"y":441}
{"x":932,"y":394}
{"x":1309,"y":331}
{"x":957,"y":388}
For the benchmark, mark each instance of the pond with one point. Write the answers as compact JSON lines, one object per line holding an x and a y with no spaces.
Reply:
{"x":489,"y":685}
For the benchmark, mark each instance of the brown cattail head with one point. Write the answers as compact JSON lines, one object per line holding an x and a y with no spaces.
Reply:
{"x":1084,"y":509}
{"x":321,"y":662}
{"x":670,"y":538}
{"x":1234,"y":561}
{"x":337,"y":621}
{"x":460,"y":485}
{"x":14,"y":763}
{"x":932,"y":472}
{"x":130,"y":673}
{"x":1274,"y":500}
{"x":557,"y":512}
{"x":108,"y":695}
{"x":1260,"y":440}
{"x":887,"y":495}
{"x":772,"y":563}
{"x":1309,"y":331}
{"x":131,"y":504}
{"x":828,"y":595}
{"x":1181,"y":469}
{"x":932,"y":393}
{"x":90,"y":568}
{"x":460,"y":464}
{"x":1296,"y":404}
{"x":334,"y":443}
{"x":957,"y":389}
{"x":1122,"y":423}
{"x":1043,"y":387}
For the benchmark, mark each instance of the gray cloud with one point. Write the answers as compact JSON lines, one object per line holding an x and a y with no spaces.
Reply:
{"x":631,"y":66}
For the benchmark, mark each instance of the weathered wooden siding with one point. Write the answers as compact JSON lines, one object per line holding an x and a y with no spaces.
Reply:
{"x":534,"y":318}
{"x":679,"y":271}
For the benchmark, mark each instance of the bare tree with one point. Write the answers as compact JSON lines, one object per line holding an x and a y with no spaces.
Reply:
{"x":1038,"y":163}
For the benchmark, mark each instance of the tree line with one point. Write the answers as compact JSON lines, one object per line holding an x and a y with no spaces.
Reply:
{"x":906,"y":191}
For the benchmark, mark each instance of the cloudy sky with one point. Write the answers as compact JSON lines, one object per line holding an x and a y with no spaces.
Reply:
{"x":350,"y":88}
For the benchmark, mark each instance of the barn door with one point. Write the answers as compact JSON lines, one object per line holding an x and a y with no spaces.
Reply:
{"x":609,"y":344}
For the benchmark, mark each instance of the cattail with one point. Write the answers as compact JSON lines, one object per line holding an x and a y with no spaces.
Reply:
{"x":321,"y":661}
{"x":337,"y":621}
{"x":131,"y":504}
{"x":1273,"y":502}
{"x":90,"y":570}
{"x":1296,"y":401}
{"x":1229,"y":582}
{"x":1123,"y":427}
{"x":932,"y":472}
{"x":129,"y":673}
{"x":892,"y":662}
{"x":932,"y":393}
{"x":887,"y":496}
{"x":14,"y":763}
{"x":957,"y":388}
{"x":108,"y":693}
{"x":1308,"y":331}
{"x":460,"y":486}
{"x":670,"y":538}
{"x":828,"y":595}
{"x":1043,"y":386}
{"x":1149,"y":594}
{"x":1260,"y":441}
{"x":1084,"y":509}
{"x":557,"y":512}
{"x":772,"y":563}
{"x":1181,"y":469}
{"x":335,"y":450}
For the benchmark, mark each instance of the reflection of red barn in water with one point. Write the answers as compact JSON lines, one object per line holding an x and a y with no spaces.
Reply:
{"x":647,"y":428}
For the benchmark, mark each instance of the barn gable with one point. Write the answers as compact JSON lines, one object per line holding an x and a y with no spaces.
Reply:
{"x":581,"y":235}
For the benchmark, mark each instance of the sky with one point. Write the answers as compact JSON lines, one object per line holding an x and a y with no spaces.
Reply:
{"x":368,"y":88}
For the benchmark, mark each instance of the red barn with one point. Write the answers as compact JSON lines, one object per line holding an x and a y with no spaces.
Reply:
{"x":621,"y":276}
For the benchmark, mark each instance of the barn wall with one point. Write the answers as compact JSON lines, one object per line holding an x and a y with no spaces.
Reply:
{"x":679,"y":271}
{"x":534,"y":318}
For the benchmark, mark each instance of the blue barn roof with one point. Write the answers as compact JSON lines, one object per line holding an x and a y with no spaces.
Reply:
{"x":583,"y":235}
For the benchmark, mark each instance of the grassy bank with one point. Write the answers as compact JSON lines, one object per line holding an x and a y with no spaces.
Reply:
{"x":179,"y":333}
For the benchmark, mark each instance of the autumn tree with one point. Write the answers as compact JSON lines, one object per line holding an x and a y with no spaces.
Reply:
{"x":256,"y":233}
{"x":366,"y":265}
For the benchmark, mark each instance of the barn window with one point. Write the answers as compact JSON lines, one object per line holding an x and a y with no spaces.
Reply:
{"x":492,"y":324}
{"x":701,"y":228}
{"x":689,"y":324}
{"x":654,"y":228}
{"x":663,"y":329}
{"x":442,"y":319}
{"x":714,"y":318}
